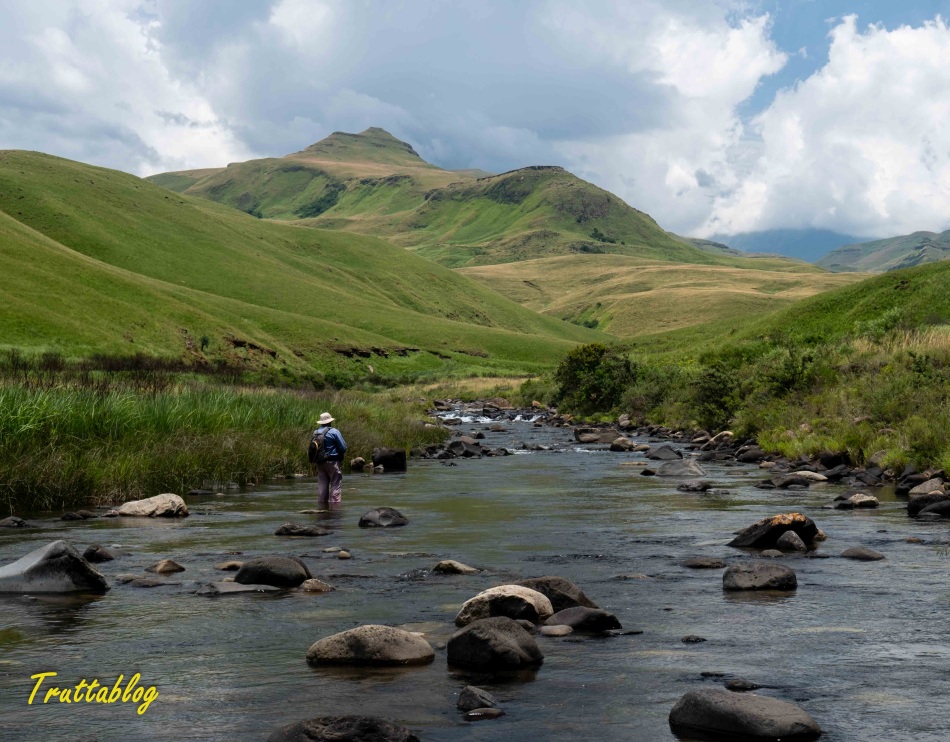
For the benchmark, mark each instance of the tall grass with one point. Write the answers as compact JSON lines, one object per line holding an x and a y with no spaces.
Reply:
{"x":69,"y":446}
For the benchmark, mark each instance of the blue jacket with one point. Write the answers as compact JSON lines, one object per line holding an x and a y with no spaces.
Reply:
{"x":335,"y":445}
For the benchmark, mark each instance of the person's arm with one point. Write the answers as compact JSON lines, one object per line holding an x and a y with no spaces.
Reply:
{"x":341,"y":444}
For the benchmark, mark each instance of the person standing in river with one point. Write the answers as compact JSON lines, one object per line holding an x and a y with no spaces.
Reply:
{"x":331,"y":449}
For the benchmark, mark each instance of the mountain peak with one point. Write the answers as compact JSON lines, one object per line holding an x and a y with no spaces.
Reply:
{"x":372,"y":145}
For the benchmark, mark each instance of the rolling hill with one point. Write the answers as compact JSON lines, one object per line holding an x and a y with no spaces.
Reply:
{"x":890,"y":254}
{"x":97,"y":260}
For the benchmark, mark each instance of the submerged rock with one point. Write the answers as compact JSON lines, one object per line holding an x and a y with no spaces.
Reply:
{"x":297,"y":529}
{"x":862,"y":554}
{"x":78,"y":515}
{"x":14,"y":522}
{"x":97,"y":553}
{"x":371,"y":645}
{"x":497,"y":643}
{"x":343,"y":729}
{"x":483,"y":714}
{"x":213,"y":589}
{"x":166,"y":505}
{"x":704,"y":563}
{"x":741,"y":716}
{"x":512,"y":601}
{"x":759,"y":575}
{"x":560,"y":591}
{"x":383,"y":518}
{"x":683,"y":468}
{"x":54,"y":568}
{"x":278,"y":571}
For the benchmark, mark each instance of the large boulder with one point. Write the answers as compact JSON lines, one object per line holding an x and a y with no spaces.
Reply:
{"x":759,"y":575}
{"x":279,"y":571}
{"x":497,"y":643}
{"x":465,"y":447}
{"x":383,"y":518}
{"x":925,"y":488}
{"x":512,"y":601}
{"x":919,"y":502}
{"x":682,"y":468}
{"x":343,"y":729}
{"x":371,"y":645}
{"x":54,"y":568}
{"x":622,"y":445}
{"x":590,"y":620}
{"x":663,"y":453}
{"x":391,"y":459}
{"x":741,"y":716}
{"x":166,"y":505}
{"x":560,"y":591}
{"x":764,"y":534}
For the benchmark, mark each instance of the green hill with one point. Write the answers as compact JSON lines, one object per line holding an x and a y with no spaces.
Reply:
{"x":97,"y":260}
{"x":889,"y":254}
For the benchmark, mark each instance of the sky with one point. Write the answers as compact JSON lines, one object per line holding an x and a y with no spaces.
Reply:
{"x":715,"y":117}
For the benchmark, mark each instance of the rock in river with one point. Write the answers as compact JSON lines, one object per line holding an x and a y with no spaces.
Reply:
{"x":213,"y":589}
{"x":497,"y":643}
{"x":297,"y":529}
{"x":54,"y":568}
{"x":759,"y":575}
{"x":764,"y":534}
{"x":704,"y":563}
{"x":744,"y":716}
{"x":663,"y":453}
{"x":862,"y":554}
{"x":391,"y":459}
{"x":579,"y":618}
{"x":343,"y":729}
{"x":683,"y":468}
{"x":371,"y":645}
{"x":165,"y":567}
{"x":451,"y":567}
{"x":97,"y":553}
{"x":560,"y":591}
{"x":14,"y":522}
{"x":279,"y":571}
{"x":160,"y":506}
{"x":512,"y":601}
{"x":383,"y":518}
{"x":472,"y":697}
{"x":790,"y":541}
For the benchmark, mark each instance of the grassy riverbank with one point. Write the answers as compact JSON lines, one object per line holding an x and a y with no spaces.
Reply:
{"x":85,"y":442}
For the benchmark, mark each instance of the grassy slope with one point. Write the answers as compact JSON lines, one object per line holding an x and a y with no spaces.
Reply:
{"x":630,"y":297}
{"x":105,"y":261}
{"x":889,"y":254}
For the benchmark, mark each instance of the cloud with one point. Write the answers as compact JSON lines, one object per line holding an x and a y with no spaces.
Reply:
{"x":861,"y":146}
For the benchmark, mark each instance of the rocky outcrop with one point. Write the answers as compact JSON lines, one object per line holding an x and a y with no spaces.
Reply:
{"x":343,"y":729}
{"x":371,"y":645}
{"x":278,"y":571}
{"x":764,"y":534}
{"x":54,"y":568}
{"x":744,"y":716}
{"x":560,"y":591}
{"x":167,"y":505}
{"x":589,"y":620}
{"x":493,"y":644}
{"x":383,"y":518}
{"x":391,"y":459}
{"x":759,"y":575}
{"x":511,"y":601}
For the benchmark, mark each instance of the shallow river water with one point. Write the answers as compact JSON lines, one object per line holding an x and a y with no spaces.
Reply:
{"x":860,"y":645}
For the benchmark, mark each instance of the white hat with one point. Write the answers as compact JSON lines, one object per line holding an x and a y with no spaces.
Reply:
{"x":325,"y":419}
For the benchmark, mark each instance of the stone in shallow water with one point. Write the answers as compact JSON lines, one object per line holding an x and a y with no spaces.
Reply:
{"x":790,"y":541}
{"x":165,"y":567}
{"x":759,"y":575}
{"x":14,"y":522}
{"x":97,"y":553}
{"x":483,"y":714}
{"x":232,"y":588}
{"x":560,"y":591}
{"x":382,"y":518}
{"x":560,"y":630}
{"x":862,"y":554}
{"x":473,"y":697}
{"x":314,"y":585}
{"x":297,"y":529}
{"x":166,"y":505}
{"x":371,"y":645}
{"x":343,"y":729}
{"x":451,"y":567}
{"x":744,"y":716}
{"x":513,"y":601}
{"x":581,"y":618}
{"x":704,"y":563}
{"x":279,"y":571}
{"x":765,"y":533}
{"x":54,"y":568}
{"x":491,"y":644}
{"x":231,"y":566}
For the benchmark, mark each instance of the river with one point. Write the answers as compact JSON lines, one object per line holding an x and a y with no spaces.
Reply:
{"x":861,"y":646}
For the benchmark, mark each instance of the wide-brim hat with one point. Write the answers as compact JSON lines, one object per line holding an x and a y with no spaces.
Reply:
{"x":325,"y":418}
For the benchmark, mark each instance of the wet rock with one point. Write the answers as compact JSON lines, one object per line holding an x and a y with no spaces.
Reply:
{"x":391,"y":459}
{"x":759,"y":575}
{"x":588,"y":620}
{"x":862,"y":554}
{"x":931,"y":485}
{"x":560,"y":630}
{"x":771,"y":554}
{"x":473,"y":697}
{"x":451,"y":567}
{"x":790,"y":541}
{"x":298,"y":529}
{"x":343,"y":729}
{"x":692,"y":639}
{"x":14,"y":522}
{"x":491,"y":644}
{"x":941,"y":509}
{"x":357,"y":464}
{"x":738,"y":685}
{"x":811,"y":476}
{"x":313,"y":585}
{"x":511,"y":601}
{"x":560,"y":591}
{"x":856,"y":500}
{"x":788,"y":481}
{"x":97,"y":553}
{"x":483,"y":714}
{"x":717,"y":492}
{"x":278,"y":571}
{"x":683,"y":468}
{"x":371,"y":645}
{"x":382,"y":518}
{"x":663,"y":453}
{"x":751,"y":455}
{"x":213,"y":589}
{"x":331,"y":550}
{"x":165,"y":567}
{"x":231,"y":566}
{"x":144,"y":582}
{"x":166,"y":505}
{"x":54,"y":568}
{"x":528,"y":626}
{"x":704,"y":563}
{"x":79,"y":515}
{"x":919,"y":502}
{"x":695,"y":485}
{"x":741,"y":716}
{"x":343,"y":554}
{"x":764,"y":534}
{"x":200,"y":493}
{"x":622,"y":445}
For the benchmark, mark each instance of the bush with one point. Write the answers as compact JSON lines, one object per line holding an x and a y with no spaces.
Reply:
{"x":593,"y":378}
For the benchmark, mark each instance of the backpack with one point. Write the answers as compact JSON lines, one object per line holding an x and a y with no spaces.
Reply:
{"x":317,"y":450}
